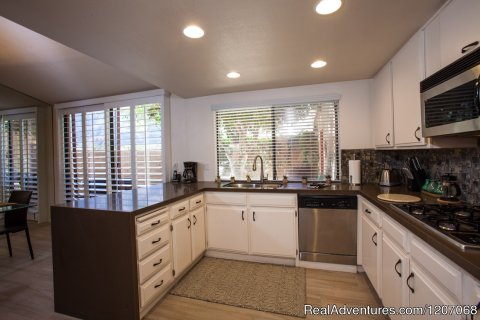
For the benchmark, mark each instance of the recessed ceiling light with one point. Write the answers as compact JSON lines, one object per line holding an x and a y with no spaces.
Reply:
{"x":233,"y":75}
{"x":328,"y":6}
{"x":193,"y":32}
{"x":318,"y":64}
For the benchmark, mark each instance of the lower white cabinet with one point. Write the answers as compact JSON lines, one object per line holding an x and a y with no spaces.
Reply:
{"x":272,"y":231}
{"x":182,"y":243}
{"x":262,"y":224}
{"x":423,"y":291}
{"x":227,"y":228}
{"x":371,"y":252}
{"x":395,"y":267}
{"x":197,"y":217}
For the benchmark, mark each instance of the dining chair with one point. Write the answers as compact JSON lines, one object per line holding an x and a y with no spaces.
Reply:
{"x":16,"y":220}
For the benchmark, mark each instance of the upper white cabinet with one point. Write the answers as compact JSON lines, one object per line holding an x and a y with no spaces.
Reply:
{"x":407,"y":71}
{"x":456,"y":26}
{"x":382,"y":108}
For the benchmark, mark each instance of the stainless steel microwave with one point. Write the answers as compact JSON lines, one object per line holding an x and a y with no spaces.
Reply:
{"x":451,"y":99}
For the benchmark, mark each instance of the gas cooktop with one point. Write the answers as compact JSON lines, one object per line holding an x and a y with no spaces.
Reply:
{"x":460,"y":224}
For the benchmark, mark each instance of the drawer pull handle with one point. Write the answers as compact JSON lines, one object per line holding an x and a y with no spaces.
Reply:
{"x":408,"y":284}
{"x":368,"y":211}
{"x":396,"y":264}
{"x":158,"y":240}
{"x":181,"y":209}
{"x":157,"y":263}
{"x":469,"y":46}
{"x":243,"y":217}
{"x":194,"y":219}
{"x":159,"y":285}
{"x":374,"y":238}
{"x":253,"y":215}
{"x":189,"y":223}
{"x":155,"y":223}
{"x":415,"y":134}
{"x":199,"y":201}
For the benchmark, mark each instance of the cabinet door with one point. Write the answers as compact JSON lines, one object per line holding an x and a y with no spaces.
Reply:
{"x":198,"y":232}
{"x":427,"y":292}
{"x":182,"y":243}
{"x":272,"y":231}
{"x":382,"y":108}
{"x":455,"y":27}
{"x":395,"y":267}
{"x":407,"y":68}
{"x":371,"y":241}
{"x":227,"y":228}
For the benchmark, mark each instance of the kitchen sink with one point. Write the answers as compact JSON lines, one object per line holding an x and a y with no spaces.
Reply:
{"x":251,"y":185}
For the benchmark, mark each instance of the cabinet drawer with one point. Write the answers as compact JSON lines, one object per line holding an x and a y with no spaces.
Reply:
{"x":178,"y":209}
{"x":155,"y":286}
{"x":152,"y":264}
{"x":196,"y":201}
{"x":395,"y":232}
{"x":152,"y":241}
{"x":438,"y":266}
{"x":228,"y":198}
{"x":272,"y":199}
{"x":371,"y":212}
{"x":151,"y":220}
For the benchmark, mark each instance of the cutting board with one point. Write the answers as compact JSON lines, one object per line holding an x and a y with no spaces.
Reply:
{"x":397,"y":197}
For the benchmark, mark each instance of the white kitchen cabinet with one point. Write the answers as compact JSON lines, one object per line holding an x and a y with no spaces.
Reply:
{"x":395,"y":267}
{"x":371,"y":252}
{"x":182,"y":243}
{"x":227,"y":228}
{"x":272,"y":231}
{"x":424,"y":291}
{"x":407,"y":71}
{"x":197,"y":217}
{"x":456,"y":26}
{"x":382,"y":108}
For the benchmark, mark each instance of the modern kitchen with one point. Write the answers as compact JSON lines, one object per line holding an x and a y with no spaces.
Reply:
{"x":268,"y":159}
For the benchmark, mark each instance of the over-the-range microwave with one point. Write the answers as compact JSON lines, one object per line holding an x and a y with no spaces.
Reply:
{"x":451,"y":99}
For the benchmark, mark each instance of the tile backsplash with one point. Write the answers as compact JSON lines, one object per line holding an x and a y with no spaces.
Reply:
{"x":463,"y":163}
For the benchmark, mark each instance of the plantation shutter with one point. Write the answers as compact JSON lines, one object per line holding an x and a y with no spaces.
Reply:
{"x":294,"y":140}
{"x":111,"y":149}
{"x":19,"y":156}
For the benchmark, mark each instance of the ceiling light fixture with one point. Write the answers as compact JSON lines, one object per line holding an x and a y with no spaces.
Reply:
{"x":233,"y":75}
{"x":193,"y":32}
{"x":328,"y":6}
{"x":318,"y":64}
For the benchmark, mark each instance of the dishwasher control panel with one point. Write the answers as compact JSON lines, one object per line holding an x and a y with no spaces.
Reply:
{"x":327,"y":201}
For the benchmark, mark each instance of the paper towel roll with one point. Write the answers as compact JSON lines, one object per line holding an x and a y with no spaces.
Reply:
{"x":354,"y":172}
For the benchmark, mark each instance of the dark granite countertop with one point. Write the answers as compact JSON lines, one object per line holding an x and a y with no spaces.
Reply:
{"x":144,"y":199}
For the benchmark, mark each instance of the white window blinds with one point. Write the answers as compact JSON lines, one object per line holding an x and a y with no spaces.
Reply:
{"x":294,"y":140}
{"x":19,"y":155}
{"x":112,"y":149}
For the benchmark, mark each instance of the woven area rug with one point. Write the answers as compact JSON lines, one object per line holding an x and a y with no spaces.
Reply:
{"x":264,"y":287}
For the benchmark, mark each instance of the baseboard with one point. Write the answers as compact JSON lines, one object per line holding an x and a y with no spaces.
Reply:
{"x":327,"y":266}
{"x":250,"y":258}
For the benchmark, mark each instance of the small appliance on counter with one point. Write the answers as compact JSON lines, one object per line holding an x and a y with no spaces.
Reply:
{"x":189,"y":172}
{"x":450,"y":189}
{"x":389,"y":177}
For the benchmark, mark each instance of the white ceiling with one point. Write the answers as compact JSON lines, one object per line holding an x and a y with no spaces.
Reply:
{"x":139,"y":44}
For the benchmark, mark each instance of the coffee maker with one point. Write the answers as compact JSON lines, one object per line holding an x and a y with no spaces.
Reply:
{"x":190,"y":172}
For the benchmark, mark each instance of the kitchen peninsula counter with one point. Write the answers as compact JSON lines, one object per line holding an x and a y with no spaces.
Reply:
{"x":103,"y":227}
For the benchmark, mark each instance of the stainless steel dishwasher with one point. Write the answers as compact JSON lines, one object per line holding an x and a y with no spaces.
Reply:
{"x":327,"y":228}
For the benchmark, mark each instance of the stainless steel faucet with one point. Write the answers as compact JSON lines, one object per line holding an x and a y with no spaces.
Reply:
{"x":254,"y":168}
